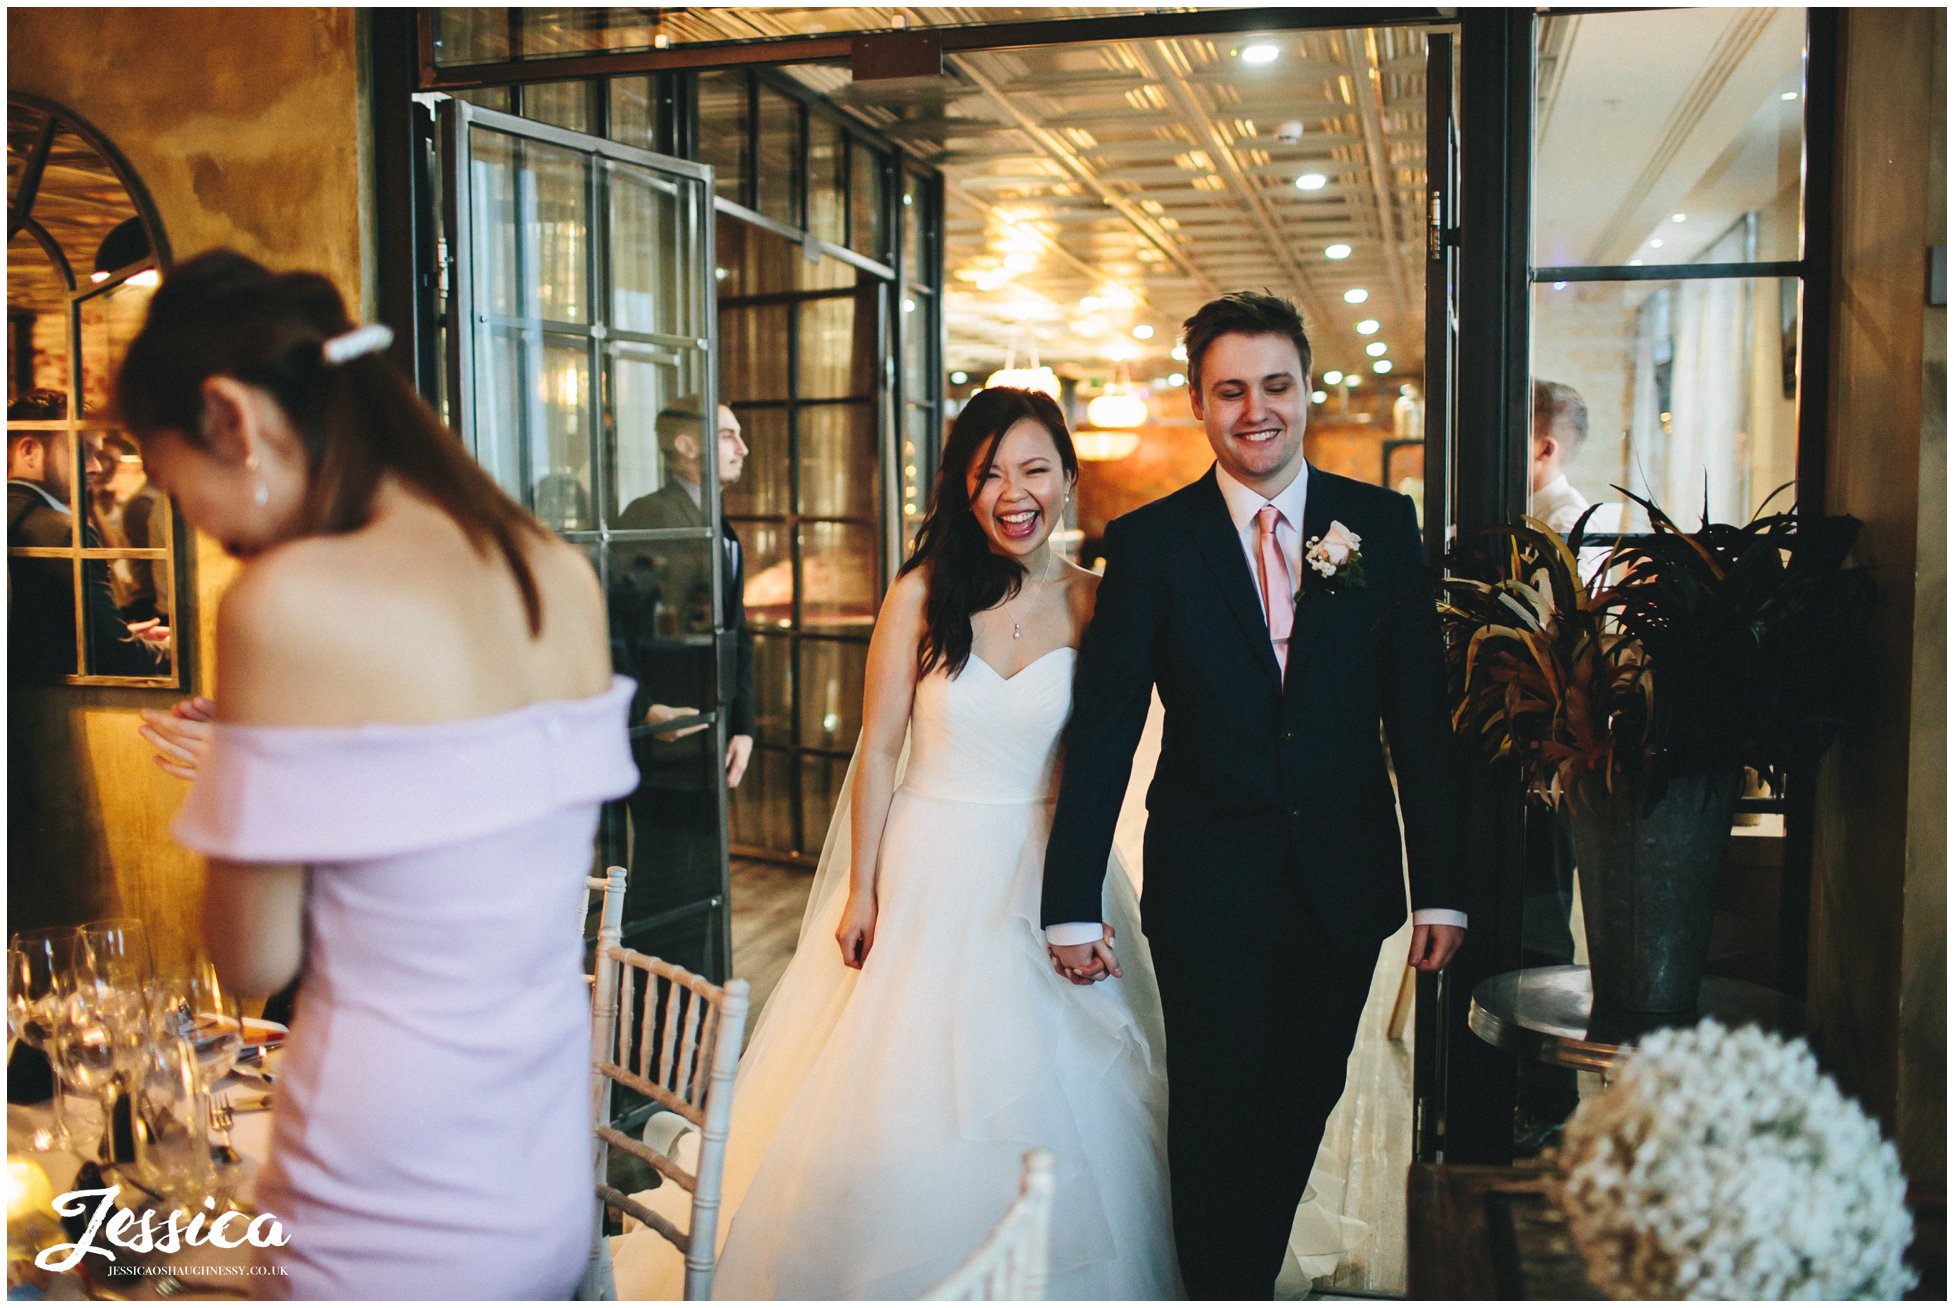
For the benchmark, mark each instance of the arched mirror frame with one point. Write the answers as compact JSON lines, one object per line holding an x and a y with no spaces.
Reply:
{"x":106,"y":640}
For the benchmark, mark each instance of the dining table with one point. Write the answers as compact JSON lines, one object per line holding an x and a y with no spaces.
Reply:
{"x":154,"y":1275}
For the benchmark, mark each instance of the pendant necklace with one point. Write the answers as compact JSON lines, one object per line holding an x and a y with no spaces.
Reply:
{"x":1017,"y":630}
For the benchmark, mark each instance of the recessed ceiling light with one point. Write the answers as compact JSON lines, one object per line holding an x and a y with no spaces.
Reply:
{"x":1376,"y":349}
{"x":1337,"y":251}
{"x":1356,"y":295}
{"x":1560,"y":286}
{"x":1789,"y":95}
{"x":1088,"y":303}
{"x":1177,"y":379}
{"x":1382,"y":365}
{"x":101,"y":275}
{"x":1678,"y":217}
{"x":1260,"y":53}
{"x":1143,"y":331}
{"x":908,"y":199}
{"x":1317,"y":397}
{"x":1367,"y":326}
{"x":959,"y":377}
{"x":1655,"y":242}
{"x":908,"y":305}
{"x":1635,"y":263}
{"x":1311,"y":182}
{"x":1180,"y":354}
{"x":1333,"y":377}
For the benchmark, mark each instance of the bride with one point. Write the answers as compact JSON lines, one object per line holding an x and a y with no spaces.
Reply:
{"x":920,"y":1041}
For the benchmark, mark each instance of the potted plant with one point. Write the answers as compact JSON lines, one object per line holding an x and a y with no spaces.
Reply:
{"x":1638,"y":694}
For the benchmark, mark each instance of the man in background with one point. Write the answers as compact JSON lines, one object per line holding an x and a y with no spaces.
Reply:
{"x":1560,"y":425}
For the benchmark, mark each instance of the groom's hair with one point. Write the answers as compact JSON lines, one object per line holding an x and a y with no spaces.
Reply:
{"x":1249,"y":313}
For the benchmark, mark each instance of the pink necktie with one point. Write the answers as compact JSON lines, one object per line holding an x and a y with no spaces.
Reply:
{"x":1278,"y":595}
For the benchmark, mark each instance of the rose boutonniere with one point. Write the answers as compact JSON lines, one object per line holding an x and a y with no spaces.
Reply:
{"x":1333,"y":561}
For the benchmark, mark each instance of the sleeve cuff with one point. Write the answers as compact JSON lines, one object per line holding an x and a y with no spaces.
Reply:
{"x":1075,"y":933}
{"x":1438,"y":917}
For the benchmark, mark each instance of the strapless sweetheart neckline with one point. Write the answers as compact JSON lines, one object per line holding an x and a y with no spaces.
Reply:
{"x":1057,"y":649}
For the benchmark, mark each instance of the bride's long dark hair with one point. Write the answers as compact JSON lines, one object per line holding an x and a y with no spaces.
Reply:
{"x":965,"y":575}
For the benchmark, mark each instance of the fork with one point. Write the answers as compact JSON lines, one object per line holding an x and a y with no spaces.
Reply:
{"x":222,"y":1118}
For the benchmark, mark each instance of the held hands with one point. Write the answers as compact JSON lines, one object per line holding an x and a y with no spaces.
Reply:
{"x":183,"y":734}
{"x":856,"y":934}
{"x":1433,"y":944}
{"x":1084,"y":964}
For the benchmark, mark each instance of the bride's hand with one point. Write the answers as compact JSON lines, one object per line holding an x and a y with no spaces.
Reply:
{"x":856,"y":934}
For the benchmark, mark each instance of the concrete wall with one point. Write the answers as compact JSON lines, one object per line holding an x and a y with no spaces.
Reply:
{"x":1879,"y":898}
{"x":246,"y":128}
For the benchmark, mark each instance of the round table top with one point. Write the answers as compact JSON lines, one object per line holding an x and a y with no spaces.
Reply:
{"x":1546,"y":1013}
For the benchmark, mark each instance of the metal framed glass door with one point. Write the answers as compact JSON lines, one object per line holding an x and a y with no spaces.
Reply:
{"x":581,"y":326}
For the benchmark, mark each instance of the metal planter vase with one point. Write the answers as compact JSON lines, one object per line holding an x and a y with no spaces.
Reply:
{"x":1648,"y":886}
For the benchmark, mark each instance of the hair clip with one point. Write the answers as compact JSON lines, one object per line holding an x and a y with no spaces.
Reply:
{"x":347,"y":346}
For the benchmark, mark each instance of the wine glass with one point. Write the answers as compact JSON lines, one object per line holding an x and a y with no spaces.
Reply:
{"x":96,"y":1042}
{"x":40,"y":969}
{"x":195,"y":1004}
{"x":172,"y":1111}
{"x":117,"y":950}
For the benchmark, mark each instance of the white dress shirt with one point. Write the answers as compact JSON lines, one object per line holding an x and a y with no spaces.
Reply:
{"x":1243,"y":504}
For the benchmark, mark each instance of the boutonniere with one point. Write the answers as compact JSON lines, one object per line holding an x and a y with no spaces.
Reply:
{"x":1333,"y":561}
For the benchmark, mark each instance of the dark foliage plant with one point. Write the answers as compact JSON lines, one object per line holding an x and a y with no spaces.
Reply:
{"x":1680,"y":653}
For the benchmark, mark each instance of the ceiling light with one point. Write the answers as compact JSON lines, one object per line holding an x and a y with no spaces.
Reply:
{"x":1116,"y":408}
{"x":1337,"y":251}
{"x":1029,"y":379}
{"x":1376,"y":349}
{"x":1087,"y":303}
{"x":1094,"y":326}
{"x":1789,"y":95}
{"x":1180,"y":354}
{"x":1382,"y":365}
{"x":1367,"y":326}
{"x":1020,"y":262}
{"x":1635,"y":263}
{"x":1143,"y":331}
{"x":147,"y":277}
{"x":1260,"y":54}
{"x":1678,"y":217}
{"x":1177,"y":379}
{"x":1311,"y":182}
{"x":908,"y":305}
{"x":1333,"y":377}
{"x":959,"y":377}
{"x":1356,"y":295}
{"x":1655,"y":242}
{"x":101,"y":275}
{"x":1317,"y":397}
{"x":1560,"y":286}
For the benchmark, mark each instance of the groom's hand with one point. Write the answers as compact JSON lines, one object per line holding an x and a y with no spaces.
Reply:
{"x":1084,"y":964}
{"x":1433,"y":944}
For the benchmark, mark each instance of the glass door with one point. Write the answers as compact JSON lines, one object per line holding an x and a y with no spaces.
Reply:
{"x":582,"y":376}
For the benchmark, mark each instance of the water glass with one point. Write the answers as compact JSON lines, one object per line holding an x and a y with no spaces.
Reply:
{"x":40,"y":969}
{"x":196,"y":1005}
{"x":116,"y":949}
{"x":96,"y":1043}
{"x":172,"y":1111}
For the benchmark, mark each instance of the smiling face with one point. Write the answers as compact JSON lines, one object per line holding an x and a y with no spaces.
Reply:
{"x":1250,"y":399}
{"x":1017,"y":497}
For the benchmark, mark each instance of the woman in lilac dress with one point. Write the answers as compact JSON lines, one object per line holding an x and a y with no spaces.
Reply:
{"x":416,"y":727}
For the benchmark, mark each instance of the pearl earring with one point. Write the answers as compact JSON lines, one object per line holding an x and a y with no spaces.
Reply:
{"x":260,"y":490}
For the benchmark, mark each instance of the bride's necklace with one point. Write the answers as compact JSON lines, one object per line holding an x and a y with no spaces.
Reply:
{"x":1017,"y":629}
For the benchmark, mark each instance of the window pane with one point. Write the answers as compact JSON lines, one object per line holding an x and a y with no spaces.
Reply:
{"x":837,"y":346}
{"x":109,"y":321}
{"x":661,"y":620}
{"x":492,"y":207}
{"x":839,"y":573}
{"x":763,"y":806}
{"x":113,"y":648}
{"x":1674,"y":383}
{"x":838,"y":463}
{"x":471,"y":36}
{"x":560,"y":104}
{"x":821,"y":780}
{"x":769,"y":575}
{"x":865,"y":235}
{"x":500,"y":406}
{"x":918,"y":327}
{"x":139,"y":517}
{"x":1730,"y":164}
{"x":489,"y":97}
{"x":37,"y":322}
{"x":674,"y":850}
{"x":642,"y":385}
{"x":766,"y":484}
{"x":654,"y":255}
{"x":832,"y":674}
{"x":560,"y":232}
{"x":912,"y":227}
{"x":773,"y":687}
{"x":561,"y":469}
{"x":634,"y":111}
{"x":919,"y":441}
{"x":724,"y":132}
{"x":827,"y":182}
{"x":753,"y":350}
{"x":780,"y":157}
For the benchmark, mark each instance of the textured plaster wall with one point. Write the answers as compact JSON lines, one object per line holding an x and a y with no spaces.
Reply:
{"x":246,"y":127}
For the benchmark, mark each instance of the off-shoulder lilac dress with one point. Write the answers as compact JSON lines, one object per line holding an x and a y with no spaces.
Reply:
{"x":431,"y":1134}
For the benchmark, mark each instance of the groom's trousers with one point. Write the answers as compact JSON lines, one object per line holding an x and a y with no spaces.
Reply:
{"x":1258,"y":1039}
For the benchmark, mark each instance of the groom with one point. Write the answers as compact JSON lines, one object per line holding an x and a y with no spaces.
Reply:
{"x":1272,"y":868}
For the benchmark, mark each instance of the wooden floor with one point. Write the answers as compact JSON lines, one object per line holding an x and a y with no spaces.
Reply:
{"x":1369,"y":1134}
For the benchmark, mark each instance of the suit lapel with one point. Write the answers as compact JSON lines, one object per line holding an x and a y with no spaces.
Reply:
{"x":1320,"y":509}
{"x":1214,"y":535}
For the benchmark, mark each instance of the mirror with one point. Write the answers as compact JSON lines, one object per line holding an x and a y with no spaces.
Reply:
{"x":93,"y":550}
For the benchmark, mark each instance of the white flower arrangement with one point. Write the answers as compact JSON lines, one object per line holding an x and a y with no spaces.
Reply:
{"x":1723,"y":1165}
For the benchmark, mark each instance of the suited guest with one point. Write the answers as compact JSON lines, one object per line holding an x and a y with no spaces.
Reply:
{"x":40,"y":514}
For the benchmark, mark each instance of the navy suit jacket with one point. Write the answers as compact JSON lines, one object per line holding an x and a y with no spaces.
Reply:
{"x":1266,"y":783}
